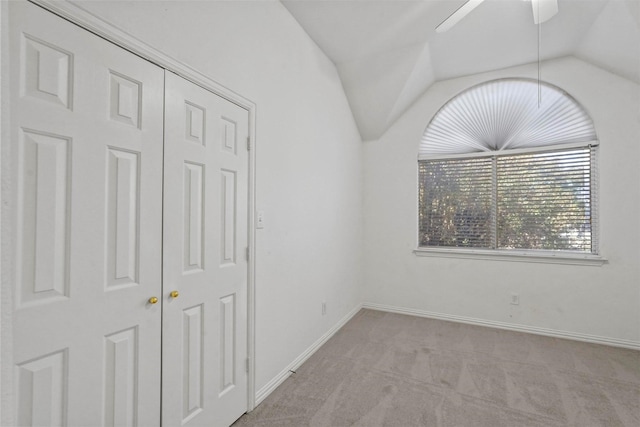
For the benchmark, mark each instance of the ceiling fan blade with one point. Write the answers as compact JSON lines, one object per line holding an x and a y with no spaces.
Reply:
{"x":456,"y":16}
{"x":543,"y":10}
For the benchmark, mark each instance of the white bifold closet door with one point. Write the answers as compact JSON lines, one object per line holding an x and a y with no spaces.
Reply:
{"x":87,"y":141}
{"x":205,"y":241}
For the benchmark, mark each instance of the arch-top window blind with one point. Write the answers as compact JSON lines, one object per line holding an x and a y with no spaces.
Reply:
{"x":498,"y":170}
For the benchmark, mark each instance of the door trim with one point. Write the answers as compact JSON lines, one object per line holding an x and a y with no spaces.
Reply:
{"x":98,"y":26}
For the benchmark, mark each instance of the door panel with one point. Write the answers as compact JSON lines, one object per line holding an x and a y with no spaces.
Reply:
{"x":87,"y":142}
{"x":205,"y":238}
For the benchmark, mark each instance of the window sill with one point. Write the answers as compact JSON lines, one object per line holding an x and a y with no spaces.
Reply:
{"x":516,"y":256}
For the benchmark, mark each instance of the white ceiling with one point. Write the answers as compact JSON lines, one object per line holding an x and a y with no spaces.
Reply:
{"x":388,"y":53}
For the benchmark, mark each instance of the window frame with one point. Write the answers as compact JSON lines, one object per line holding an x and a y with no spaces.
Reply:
{"x":523,"y":255}
{"x":567,"y":125}
{"x":538,"y":256}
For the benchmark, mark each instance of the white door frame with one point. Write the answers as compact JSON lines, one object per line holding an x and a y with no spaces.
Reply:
{"x":96,"y":25}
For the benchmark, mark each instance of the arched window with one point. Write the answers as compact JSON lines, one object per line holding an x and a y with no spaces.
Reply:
{"x":499,"y":170}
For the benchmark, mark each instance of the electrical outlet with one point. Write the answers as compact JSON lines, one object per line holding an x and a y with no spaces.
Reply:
{"x":515,"y":299}
{"x":324,"y":308}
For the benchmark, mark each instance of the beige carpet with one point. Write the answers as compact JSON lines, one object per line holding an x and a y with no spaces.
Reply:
{"x":384,"y":369}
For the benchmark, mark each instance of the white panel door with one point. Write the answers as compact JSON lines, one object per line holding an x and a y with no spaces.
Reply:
{"x":87,"y":147}
{"x":204,"y":379}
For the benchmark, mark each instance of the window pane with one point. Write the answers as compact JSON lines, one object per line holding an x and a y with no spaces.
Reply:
{"x":455,"y":203}
{"x":544,"y":201}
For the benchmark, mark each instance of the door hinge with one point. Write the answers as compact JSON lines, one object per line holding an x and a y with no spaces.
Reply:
{"x":247,"y":253}
{"x":247,"y":365}
{"x":248,"y":143}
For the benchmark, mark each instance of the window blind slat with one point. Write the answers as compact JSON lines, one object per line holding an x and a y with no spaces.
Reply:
{"x":536,"y":201}
{"x":455,"y":203}
{"x":541,"y":201}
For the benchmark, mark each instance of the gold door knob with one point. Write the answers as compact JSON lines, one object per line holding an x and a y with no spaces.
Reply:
{"x":153,"y":300}
{"x":174,"y":294}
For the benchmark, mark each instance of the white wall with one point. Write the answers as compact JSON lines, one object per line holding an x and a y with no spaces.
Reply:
{"x":6,"y":383}
{"x":597,"y":301}
{"x":309,"y":155}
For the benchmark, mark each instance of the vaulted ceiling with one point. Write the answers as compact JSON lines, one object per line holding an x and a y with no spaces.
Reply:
{"x":388,"y":53}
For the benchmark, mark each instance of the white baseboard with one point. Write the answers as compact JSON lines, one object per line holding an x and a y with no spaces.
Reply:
{"x":634,"y":345}
{"x":286,"y":372}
